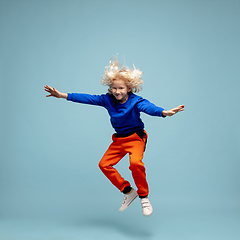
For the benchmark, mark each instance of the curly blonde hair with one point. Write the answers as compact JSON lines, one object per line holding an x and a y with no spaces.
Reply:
{"x":132,"y":77}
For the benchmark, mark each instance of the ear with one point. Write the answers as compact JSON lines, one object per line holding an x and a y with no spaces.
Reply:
{"x":129,"y":89}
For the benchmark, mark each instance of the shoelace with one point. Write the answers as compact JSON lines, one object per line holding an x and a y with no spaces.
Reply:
{"x":146,"y":204}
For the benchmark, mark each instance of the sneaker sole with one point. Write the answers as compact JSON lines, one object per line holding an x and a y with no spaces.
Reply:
{"x":127,"y":205}
{"x":147,"y":215}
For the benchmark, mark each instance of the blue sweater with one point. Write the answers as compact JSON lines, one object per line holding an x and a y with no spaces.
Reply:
{"x":124,"y":117}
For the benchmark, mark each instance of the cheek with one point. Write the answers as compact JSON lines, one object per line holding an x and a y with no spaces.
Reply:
{"x":113,"y":91}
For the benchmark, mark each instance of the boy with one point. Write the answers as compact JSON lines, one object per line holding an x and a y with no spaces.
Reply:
{"x":124,"y":108}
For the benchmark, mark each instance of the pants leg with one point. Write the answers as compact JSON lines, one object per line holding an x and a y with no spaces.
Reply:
{"x":137,"y":167}
{"x":112,"y":156}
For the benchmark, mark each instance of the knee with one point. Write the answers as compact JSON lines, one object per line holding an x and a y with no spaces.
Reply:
{"x":102,"y":165}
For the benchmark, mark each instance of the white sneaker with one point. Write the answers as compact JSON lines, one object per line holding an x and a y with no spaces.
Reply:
{"x":146,"y":206}
{"x":128,"y":199}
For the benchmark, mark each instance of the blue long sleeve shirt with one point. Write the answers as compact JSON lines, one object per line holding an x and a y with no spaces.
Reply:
{"x":124,"y":117}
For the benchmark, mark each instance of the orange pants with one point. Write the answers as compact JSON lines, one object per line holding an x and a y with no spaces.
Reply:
{"x":134,"y":146}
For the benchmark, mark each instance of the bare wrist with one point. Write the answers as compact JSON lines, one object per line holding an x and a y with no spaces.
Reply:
{"x":64,"y":95}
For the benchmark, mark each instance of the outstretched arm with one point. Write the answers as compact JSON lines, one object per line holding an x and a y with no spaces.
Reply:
{"x":173,"y":111}
{"x":55,"y":93}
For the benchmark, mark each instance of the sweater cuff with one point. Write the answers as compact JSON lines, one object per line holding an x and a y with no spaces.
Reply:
{"x":69,"y":98}
{"x":162,"y":114}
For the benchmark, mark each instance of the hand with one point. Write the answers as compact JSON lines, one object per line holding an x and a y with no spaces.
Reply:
{"x":55,"y":93}
{"x":173,"y":111}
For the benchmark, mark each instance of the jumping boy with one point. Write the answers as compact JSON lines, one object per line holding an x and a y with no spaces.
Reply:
{"x":124,"y":108}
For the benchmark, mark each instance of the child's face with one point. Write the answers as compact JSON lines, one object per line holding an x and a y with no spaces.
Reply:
{"x":120,"y":90}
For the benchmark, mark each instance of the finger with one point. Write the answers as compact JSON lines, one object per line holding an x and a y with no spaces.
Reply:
{"x":179,"y":110}
{"x":180,"y":107}
{"x":48,"y":89}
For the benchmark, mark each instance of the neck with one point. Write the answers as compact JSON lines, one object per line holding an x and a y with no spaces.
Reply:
{"x":124,"y":100}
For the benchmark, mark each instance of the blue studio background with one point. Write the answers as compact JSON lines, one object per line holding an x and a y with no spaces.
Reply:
{"x":50,"y":184}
